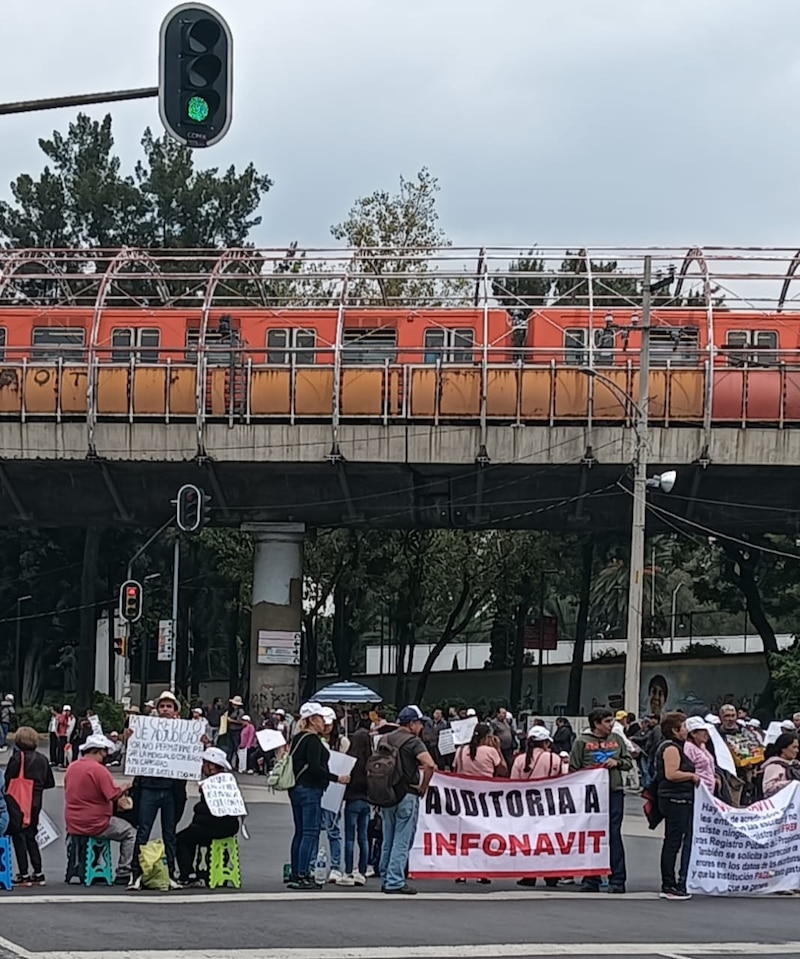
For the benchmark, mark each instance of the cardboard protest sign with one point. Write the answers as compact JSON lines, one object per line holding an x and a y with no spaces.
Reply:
{"x":749,"y":851}
{"x":47,"y":833}
{"x":341,"y":765}
{"x":463,"y":729}
{"x":500,"y":828}
{"x":223,"y":796}
{"x":269,"y":739}
{"x":165,"y":747}
{"x":446,"y":743}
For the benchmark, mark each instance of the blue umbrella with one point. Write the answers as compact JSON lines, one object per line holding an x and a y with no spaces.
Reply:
{"x":347,"y":692}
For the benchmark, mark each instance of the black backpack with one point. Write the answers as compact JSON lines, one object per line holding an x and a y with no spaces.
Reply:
{"x":385,"y":771}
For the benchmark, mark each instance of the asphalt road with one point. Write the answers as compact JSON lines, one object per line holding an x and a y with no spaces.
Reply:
{"x":264,"y":921}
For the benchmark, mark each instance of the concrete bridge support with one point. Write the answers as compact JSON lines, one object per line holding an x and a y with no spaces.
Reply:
{"x":276,"y":617}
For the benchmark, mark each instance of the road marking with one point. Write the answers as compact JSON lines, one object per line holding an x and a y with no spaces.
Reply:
{"x":203,"y":898}
{"x":495,"y":950}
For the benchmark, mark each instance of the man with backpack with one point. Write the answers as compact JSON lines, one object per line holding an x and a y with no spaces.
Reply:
{"x":393,"y":784}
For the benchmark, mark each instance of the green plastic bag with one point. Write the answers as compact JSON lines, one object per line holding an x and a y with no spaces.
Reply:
{"x":155,"y":872}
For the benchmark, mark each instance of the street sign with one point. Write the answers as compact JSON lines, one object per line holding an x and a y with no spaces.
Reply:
{"x":542,"y":635}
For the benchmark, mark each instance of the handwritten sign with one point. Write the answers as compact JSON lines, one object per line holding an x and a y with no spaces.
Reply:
{"x":97,"y":726}
{"x":447,"y":745}
{"x":164,"y":747}
{"x":222,"y":795}
{"x":341,"y":765}
{"x":463,"y":730}
{"x":47,"y":833}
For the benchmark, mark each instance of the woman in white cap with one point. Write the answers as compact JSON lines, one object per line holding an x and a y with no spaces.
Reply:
{"x":331,"y":823}
{"x":696,"y":748}
{"x":204,"y":827}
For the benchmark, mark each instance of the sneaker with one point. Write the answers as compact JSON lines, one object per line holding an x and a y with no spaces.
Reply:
{"x":173,"y":884}
{"x":335,"y":875}
{"x":590,"y":887}
{"x":21,"y":880}
{"x":484,"y":882}
{"x":359,"y":879}
{"x":617,"y":890}
{"x":345,"y":881}
{"x":38,"y":879}
{"x":527,"y":881}
{"x":461,"y":881}
{"x":122,"y":880}
{"x":135,"y":884}
{"x":370,"y":872}
{"x":402,"y":891}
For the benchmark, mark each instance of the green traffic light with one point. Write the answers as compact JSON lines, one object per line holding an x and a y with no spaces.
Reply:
{"x":198,"y":109}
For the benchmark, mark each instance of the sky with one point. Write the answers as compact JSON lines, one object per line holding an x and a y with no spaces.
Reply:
{"x":626,"y":122}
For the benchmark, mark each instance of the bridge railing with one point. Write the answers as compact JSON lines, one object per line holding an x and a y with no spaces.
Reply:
{"x":540,"y":389}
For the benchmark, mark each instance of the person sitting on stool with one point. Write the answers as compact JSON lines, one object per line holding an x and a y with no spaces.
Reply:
{"x":204,"y":827}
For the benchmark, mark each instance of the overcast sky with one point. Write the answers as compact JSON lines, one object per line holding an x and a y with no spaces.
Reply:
{"x":663,"y":122}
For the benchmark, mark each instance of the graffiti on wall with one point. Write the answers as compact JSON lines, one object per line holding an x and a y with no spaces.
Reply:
{"x":273,"y":696}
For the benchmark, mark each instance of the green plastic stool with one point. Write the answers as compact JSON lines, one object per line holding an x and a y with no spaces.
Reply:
{"x":224,"y":863}
{"x":89,"y":859}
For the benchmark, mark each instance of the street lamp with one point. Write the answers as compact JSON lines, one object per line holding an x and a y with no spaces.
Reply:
{"x":17,"y":656}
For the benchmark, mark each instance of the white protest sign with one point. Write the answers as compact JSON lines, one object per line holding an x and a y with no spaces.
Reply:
{"x":47,"y":833}
{"x":722,"y":754}
{"x":269,"y":739}
{"x":500,"y":828}
{"x":750,"y":851}
{"x":773,"y":731}
{"x":97,"y":726}
{"x":341,"y":765}
{"x":462,"y":730}
{"x":447,"y":744}
{"x":164,"y":747}
{"x":223,"y":796}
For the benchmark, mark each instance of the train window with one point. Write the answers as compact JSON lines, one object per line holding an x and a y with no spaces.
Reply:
{"x":369,"y":346}
{"x":576,"y":352}
{"x":144,"y":343}
{"x":284,"y":346}
{"x":674,"y":345}
{"x":2,"y":344}
{"x":218,"y":344}
{"x":449,"y":346}
{"x":756,"y":347}
{"x":53,"y":342}
{"x":575,"y":346}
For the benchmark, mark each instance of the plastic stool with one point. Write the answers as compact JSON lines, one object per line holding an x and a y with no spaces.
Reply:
{"x":218,"y":863}
{"x":89,"y":859}
{"x":6,"y":874}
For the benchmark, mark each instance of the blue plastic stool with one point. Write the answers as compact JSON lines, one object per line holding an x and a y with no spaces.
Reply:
{"x":6,"y":874}
{"x":89,"y":859}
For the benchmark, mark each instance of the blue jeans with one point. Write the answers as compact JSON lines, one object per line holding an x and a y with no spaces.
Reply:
{"x":399,"y":827}
{"x":151,"y":802}
{"x":306,"y":811}
{"x":332,"y":824}
{"x":356,"y":824}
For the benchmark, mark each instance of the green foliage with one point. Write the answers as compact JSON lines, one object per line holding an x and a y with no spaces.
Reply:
{"x":785,"y":670}
{"x":109,"y":712}
{"x":37,"y":717}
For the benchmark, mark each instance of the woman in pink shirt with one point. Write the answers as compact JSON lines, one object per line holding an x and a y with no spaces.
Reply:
{"x":696,"y":749}
{"x":482,"y":757}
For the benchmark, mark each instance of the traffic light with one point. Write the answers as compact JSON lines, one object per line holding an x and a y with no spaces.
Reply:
{"x":192,"y":509}
{"x":121,"y":646}
{"x":195,"y":76}
{"x":130,"y":601}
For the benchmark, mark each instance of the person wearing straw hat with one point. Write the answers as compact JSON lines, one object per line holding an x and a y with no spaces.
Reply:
{"x":235,"y":713}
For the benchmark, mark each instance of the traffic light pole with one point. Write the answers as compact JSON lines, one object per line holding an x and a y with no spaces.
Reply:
{"x":176,"y":566}
{"x":78,"y":100}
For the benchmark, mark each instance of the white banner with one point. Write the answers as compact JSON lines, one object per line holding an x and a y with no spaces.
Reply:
{"x":495,"y":828}
{"x":223,"y":796}
{"x":749,"y":851}
{"x":165,"y":747}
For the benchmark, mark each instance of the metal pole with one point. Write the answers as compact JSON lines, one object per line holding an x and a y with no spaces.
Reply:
{"x":17,"y":653}
{"x":176,"y":564}
{"x":540,"y":663}
{"x":77,"y":100}
{"x":651,"y":631}
{"x":633,"y":658}
{"x":672,"y":617}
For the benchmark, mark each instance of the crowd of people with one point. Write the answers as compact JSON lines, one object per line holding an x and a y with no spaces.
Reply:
{"x":391,"y":765}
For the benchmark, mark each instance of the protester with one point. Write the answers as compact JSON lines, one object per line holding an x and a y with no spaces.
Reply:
{"x":213,"y":717}
{"x":26,"y":763}
{"x":564,"y":735}
{"x":696,"y":748}
{"x":330,"y":822}
{"x":600,"y":747}
{"x":158,"y":796}
{"x":482,"y":756}
{"x":65,"y":726}
{"x":399,"y":820}
{"x":7,"y":719}
{"x":677,"y":778}
{"x":782,"y":767}
{"x":89,"y":796}
{"x":356,"y":811}
{"x":248,"y":745}
{"x":506,"y":732}
{"x":204,"y":827}
{"x":311,"y":775}
{"x":235,"y":717}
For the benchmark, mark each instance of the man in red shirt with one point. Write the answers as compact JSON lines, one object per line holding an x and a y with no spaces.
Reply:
{"x":89,"y":796}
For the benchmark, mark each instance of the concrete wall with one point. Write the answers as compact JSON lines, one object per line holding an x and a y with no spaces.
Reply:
{"x":689,"y":683}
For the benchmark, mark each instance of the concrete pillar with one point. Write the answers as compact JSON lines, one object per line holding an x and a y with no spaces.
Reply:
{"x":277,"y":615}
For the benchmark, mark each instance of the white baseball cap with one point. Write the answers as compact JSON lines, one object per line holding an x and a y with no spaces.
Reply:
{"x":168,"y":695}
{"x":307,"y":710}
{"x":539,"y":734}
{"x":471,"y":712}
{"x":216,"y":757}
{"x":328,"y":715}
{"x":97,"y":741}
{"x":695,"y":723}
{"x":66,"y":709}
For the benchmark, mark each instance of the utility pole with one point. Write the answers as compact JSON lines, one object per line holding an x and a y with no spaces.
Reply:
{"x":633,"y":658}
{"x":176,"y":565}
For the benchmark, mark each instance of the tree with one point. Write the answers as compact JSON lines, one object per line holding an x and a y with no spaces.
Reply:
{"x":394,"y":237}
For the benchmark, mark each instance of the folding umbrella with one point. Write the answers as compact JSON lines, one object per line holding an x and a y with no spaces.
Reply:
{"x":347,"y":692}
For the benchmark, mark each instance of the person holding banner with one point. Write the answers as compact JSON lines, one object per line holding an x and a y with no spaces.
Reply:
{"x":780,"y":769}
{"x":600,"y":747}
{"x":677,"y":778}
{"x":204,"y":827}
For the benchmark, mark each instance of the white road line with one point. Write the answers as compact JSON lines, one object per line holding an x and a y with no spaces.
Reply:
{"x":495,"y":950}
{"x":205,"y":898}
